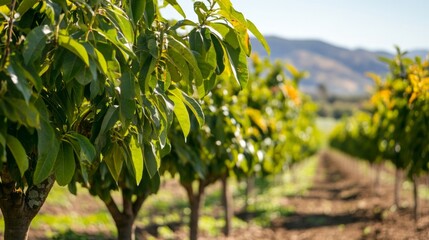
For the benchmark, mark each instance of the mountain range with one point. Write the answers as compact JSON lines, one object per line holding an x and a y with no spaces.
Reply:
{"x":339,"y":70}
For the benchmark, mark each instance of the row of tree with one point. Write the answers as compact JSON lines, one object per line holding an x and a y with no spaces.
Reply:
{"x":396,"y":124}
{"x":106,"y":94}
{"x":256,"y":132}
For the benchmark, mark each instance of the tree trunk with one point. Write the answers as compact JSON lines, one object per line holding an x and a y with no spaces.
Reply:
{"x":195,"y":201}
{"x":16,"y":226}
{"x":250,"y":185}
{"x":398,"y":186}
{"x":416,"y":198}
{"x":227,"y":205}
{"x":124,"y":220}
{"x":377,"y":177}
{"x":126,"y":228}
{"x":20,"y":208}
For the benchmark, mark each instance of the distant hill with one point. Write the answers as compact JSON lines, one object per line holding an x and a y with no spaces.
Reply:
{"x":340,"y":70}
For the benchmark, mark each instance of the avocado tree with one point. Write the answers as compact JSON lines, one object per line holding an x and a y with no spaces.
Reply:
{"x":89,"y":89}
{"x":399,"y":117}
{"x":401,"y":104}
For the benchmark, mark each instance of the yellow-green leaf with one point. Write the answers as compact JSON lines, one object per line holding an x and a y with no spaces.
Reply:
{"x":137,"y":155}
{"x":75,"y":47}
{"x":182,"y":114}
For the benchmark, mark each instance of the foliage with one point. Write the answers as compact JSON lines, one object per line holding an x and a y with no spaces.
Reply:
{"x":89,"y":89}
{"x":398,"y":120}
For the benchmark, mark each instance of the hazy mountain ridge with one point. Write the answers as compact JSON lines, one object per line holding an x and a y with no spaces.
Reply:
{"x":340,"y":70}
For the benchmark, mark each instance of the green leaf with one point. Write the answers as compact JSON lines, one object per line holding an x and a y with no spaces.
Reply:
{"x":65,"y":164}
{"x":179,"y":62}
{"x":71,"y":66}
{"x":181,"y":49}
{"x":150,"y":12}
{"x":87,"y":75}
{"x":176,"y":6}
{"x":17,"y":110}
{"x":18,"y":153}
{"x":191,"y":103}
{"x":47,"y":147}
{"x":220,"y":54}
{"x":17,"y":75}
{"x":201,"y":10}
{"x":110,"y":119}
{"x":152,"y":160}
{"x":137,"y":8}
{"x":253,"y":29}
{"x":82,"y":147}
{"x":239,"y":62}
{"x":237,"y":56}
{"x":127,"y":104}
{"x":114,"y":160}
{"x":137,"y":159}
{"x":122,"y":22}
{"x":74,"y":47}
{"x":35,"y":42}
{"x":182,"y":114}
{"x":111,"y":35}
{"x":98,"y":57}
{"x":183,"y":23}
{"x":25,"y":5}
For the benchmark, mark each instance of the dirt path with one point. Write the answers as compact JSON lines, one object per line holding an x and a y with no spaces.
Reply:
{"x":342,"y":205}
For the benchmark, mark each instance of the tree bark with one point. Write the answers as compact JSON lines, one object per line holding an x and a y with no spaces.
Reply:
{"x":397,"y":190}
{"x":16,"y":226}
{"x":416,"y":198}
{"x":20,"y":208}
{"x":227,"y":202}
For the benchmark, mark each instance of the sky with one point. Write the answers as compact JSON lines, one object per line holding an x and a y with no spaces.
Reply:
{"x":369,"y":24}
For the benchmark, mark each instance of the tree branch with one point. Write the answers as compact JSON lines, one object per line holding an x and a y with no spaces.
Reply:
{"x":127,"y":203}
{"x":36,"y":195}
{"x":138,"y":203}
{"x":113,"y":208}
{"x":9,"y":33}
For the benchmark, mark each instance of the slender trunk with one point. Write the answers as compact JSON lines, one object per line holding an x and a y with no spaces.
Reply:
{"x":377,"y":177}
{"x":416,"y":198}
{"x":250,"y":185}
{"x":18,"y":207}
{"x":196,"y":200}
{"x":124,"y":220}
{"x":227,"y":205}
{"x":398,"y":183}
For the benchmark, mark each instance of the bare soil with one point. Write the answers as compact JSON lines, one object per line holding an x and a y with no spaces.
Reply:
{"x":344,"y":204}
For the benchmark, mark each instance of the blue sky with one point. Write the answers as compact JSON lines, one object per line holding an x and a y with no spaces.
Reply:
{"x":370,"y":24}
